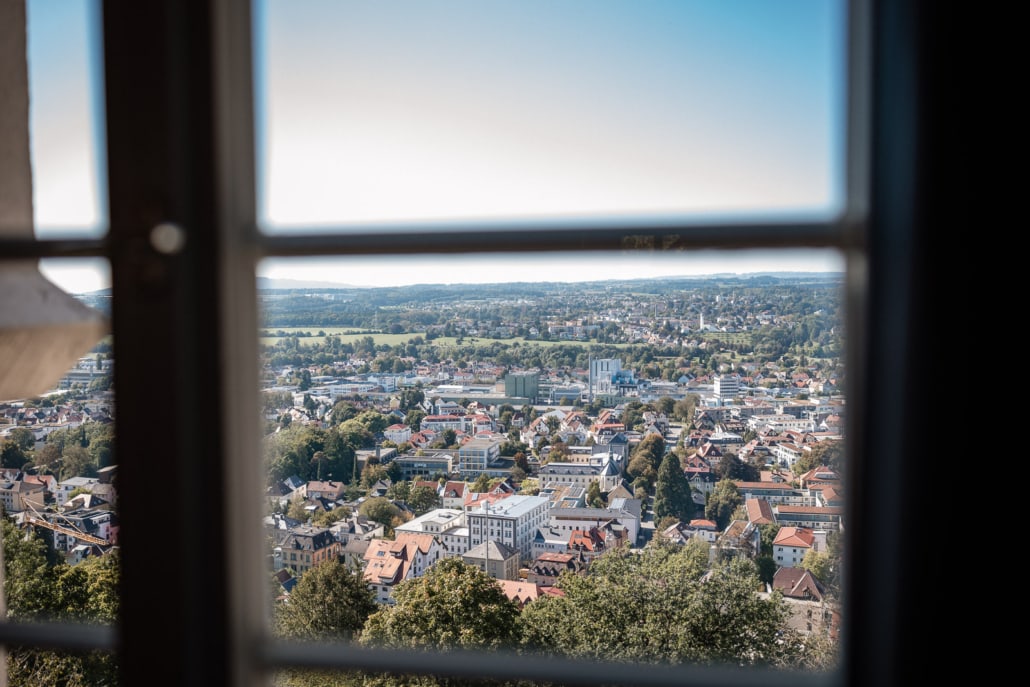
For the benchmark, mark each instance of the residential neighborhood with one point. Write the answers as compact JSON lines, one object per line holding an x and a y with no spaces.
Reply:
{"x":528,"y":465}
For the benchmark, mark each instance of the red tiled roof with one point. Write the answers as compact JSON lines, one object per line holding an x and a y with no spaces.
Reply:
{"x":800,"y":537}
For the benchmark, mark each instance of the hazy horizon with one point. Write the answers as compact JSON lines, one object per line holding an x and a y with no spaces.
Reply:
{"x":461,"y":111}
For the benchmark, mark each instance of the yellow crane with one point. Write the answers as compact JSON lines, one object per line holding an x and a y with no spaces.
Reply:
{"x":67,"y":531}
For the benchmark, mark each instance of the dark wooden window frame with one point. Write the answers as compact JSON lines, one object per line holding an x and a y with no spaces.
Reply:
{"x":179,"y":121}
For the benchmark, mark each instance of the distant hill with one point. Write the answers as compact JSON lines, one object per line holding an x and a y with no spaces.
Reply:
{"x":264,"y":283}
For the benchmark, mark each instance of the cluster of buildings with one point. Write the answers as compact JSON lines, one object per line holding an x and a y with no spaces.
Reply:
{"x":78,"y":513}
{"x":526,"y":541}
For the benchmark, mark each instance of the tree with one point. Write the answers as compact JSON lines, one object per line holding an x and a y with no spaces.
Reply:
{"x":768,"y":532}
{"x":355,"y":434}
{"x":660,"y":605}
{"x":39,"y":592}
{"x":818,"y":563}
{"x":372,"y":473}
{"x":829,"y":453}
{"x":454,"y":605}
{"x":12,"y":455}
{"x":594,"y":498}
{"x":48,"y":458}
{"x":729,"y":466}
{"x":23,"y":437}
{"x":558,"y":452}
{"x":647,"y":458}
{"x":320,"y":461}
{"x":423,"y":499}
{"x":330,"y":517}
{"x":399,"y":490}
{"x":722,"y":502}
{"x":413,"y":419}
{"x":77,"y":462}
{"x":666,"y":405}
{"x":374,"y":421}
{"x":447,"y":439}
{"x":381,"y":510}
{"x":521,"y":461}
{"x":330,"y":601}
{"x":481,"y":484}
{"x":684,"y":408}
{"x":672,"y":491}
{"x":766,"y":568}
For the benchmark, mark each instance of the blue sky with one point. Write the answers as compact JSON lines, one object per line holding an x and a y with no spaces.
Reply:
{"x":408,"y":111}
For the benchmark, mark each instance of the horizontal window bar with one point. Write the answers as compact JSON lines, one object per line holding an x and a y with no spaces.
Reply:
{"x":559,"y":236}
{"x":602,"y":234}
{"x":21,"y":249}
{"x":68,"y":636}
{"x":510,"y":666}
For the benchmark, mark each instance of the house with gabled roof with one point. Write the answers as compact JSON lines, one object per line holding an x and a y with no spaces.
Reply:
{"x":811,"y":611}
{"x":305,"y":546}
{"x":520,"y":591}
{"x":447,"y":524}
{"x":329,"y":490}
{"x":454,"y":494}
{"x":49,"y":483}
{"x":699,"y":473}
{"x":548,"y":567}
{"x":791,"y":544}
{"x":740,"y":538}
{"x":20,"y":495}
{"x":388,"y":563}
{"x":606,"y":474}
{"x":759,"y":511}
{"x":496,"y":559}
{"x":549,"y":540}
{"x":797,"y":583}
{"x":819,"y":475}
{"x":705,"y":529}
{"x":622,"y":490}
{"x":594,"y":541}
{"x":626,"y":513}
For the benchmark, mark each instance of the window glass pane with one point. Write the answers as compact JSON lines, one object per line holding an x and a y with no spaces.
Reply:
{"x":612,"y":443}
{"x":463,"y":111}
{"x":66,"y":118}
{"x":58,"y":469}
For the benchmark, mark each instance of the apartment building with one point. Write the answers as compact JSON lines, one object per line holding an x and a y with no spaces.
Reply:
{"x":513,"y":521}
{"x":448,"y":525}
{"x":475,"y":457}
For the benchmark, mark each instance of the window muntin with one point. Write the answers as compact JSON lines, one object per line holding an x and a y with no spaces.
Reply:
{"x":460,"y":114}
{"x":882,"y":610}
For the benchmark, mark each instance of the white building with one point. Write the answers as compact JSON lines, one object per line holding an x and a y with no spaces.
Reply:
{"x":791,"y":544}
{"x":513,"y":521}
{"x":476,"y":455}
{"x":727,"y":386}
{"x":447,"y":524}
{"x":65,"y":488}
{"x":626,"y":512}
{"x":780,"y":423}
{"x":398,"y":433}
{"x":605,"y":473}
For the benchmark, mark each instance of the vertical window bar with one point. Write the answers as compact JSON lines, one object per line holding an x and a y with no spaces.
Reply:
{"x":164,"y":208}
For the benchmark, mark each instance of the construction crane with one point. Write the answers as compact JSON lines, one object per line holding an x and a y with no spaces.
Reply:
{"x":33,"y":517}
{"x":67,"y":531}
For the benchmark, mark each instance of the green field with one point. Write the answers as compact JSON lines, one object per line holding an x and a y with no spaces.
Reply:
{"x":310,"y":335}
{"x":737,"y":338}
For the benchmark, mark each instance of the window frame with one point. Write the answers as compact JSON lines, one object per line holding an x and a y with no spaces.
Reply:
{"x":180,"y":149}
